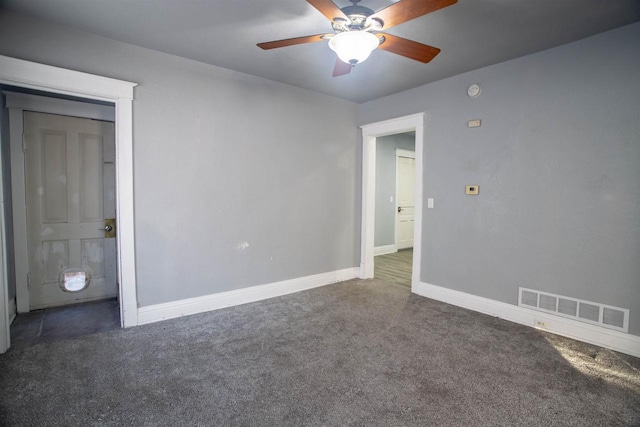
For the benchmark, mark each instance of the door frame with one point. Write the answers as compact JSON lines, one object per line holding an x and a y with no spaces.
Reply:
{"x":20,"y":73}
{"x":400,"y":152}
{"x":370,"y":133}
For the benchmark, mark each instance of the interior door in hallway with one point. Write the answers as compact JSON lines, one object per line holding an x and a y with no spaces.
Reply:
{"x":70,"y":191}
{"x":405,"y":182}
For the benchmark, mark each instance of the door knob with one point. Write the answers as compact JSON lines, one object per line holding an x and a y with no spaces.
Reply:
{"x":399,"y":209}
{"x":109,"y":228}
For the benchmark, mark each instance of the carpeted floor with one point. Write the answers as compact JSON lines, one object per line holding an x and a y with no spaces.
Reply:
{"x":361,"y":352}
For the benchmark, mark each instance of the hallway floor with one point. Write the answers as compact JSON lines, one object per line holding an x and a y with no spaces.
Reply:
{"x":395,"y":268}
{"x":58,"y":323}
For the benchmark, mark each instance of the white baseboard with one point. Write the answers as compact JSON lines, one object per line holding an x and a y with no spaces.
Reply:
{"x":383,"y":250}
{"x":170,"y":310}
{"x":614,"y":340}
{"x":12,"y":310}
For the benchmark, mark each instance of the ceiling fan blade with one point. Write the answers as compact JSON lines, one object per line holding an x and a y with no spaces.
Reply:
{"x":291,"y":42}
{"x":406,"y":10}
{"x":328,"y":9}
{"x":341,"y":68}
{"x":408,"y":48}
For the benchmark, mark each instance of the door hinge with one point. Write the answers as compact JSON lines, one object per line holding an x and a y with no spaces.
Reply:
{"x":28,"y":281}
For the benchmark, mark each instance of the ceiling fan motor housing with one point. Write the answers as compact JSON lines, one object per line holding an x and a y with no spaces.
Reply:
{"x":358,"y":16}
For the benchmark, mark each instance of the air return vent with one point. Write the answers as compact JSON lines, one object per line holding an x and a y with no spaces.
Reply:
{"x":572,"y":308}
{"x":613,"y":317}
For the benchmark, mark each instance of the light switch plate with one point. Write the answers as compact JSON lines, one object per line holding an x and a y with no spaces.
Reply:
{"x":430,"y":203}
{"x":474,"y":123}
{"x":472,"y":189}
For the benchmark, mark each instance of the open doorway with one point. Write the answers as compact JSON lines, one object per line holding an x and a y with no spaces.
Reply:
{"x":68,"y":83}
{"x":395,"y":208}
{"x":59,"y":180}
{"x":373,"y":134}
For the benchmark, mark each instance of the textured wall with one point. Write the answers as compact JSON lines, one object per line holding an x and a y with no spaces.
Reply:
{"x":238,"y":180}
{"x":557,"y":160}
{"x":385,"y":216}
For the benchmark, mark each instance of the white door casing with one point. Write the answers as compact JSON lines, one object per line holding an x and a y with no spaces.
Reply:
{"x":405,"y":198}
{"x":370,"y":132}
{"x":20,"y":73}
{"x":70,"y":189}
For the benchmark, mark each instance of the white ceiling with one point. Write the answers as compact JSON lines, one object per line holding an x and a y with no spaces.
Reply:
{"x":472,"y":34}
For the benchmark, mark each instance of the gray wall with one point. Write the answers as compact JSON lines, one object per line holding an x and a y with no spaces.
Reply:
{"x":238,"y":180}
{"x":385,"y":216}
{"x":557,"y":160}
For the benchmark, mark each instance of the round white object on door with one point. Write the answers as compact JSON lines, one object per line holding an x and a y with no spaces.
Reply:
{"x":74,"y":279}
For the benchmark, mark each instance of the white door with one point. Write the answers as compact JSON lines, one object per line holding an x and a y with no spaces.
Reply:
{"x":70,"y":191}
{"x":405,"y":178}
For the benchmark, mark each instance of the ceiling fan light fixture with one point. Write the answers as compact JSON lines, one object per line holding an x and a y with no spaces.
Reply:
{"x":353,"y":47}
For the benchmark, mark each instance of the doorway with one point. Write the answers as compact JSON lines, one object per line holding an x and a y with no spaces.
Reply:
{"x":68,"y":83}
{"x":395,"y":208}
{"x":62,"y":195}
{"x":370,"y":135}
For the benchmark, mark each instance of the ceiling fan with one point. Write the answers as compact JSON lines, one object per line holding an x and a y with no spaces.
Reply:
{"x":357,"y":31}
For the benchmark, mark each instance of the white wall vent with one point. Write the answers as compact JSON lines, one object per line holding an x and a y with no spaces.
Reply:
{"x":585,"y":311}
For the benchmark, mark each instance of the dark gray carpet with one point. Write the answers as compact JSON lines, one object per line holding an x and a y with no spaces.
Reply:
{"x":353,"y":353}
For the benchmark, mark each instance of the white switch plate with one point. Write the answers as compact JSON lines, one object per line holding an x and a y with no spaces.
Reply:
{"x":430,"y":203}
{"x":390,"y":199}
{"x":474,"y":123}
